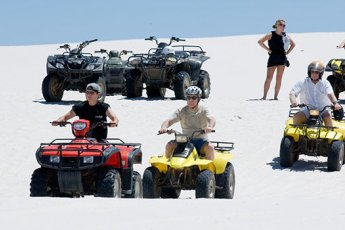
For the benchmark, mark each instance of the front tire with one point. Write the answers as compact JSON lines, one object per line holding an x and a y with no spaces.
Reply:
{"x":205,"y":185}
{"x":335,"y":156}
{"x":52,"y":88}
{"x":227,"y":181}
{"x":134,"y":87}
{"x":287,"y":157}
{"x":41,"y":183}
{"x":151,"y":188}
{"x":181,"y":83}
{"x":109,"y":184}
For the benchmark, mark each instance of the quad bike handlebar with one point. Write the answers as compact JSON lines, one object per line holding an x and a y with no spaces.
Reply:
{"x":176,"y":39}
{"x":94,"y":125}
{"x":308,"y":106}
{"x":171,"y":131}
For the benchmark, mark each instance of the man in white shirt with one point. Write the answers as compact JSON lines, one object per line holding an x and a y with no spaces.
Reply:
{"x":314,"y":92}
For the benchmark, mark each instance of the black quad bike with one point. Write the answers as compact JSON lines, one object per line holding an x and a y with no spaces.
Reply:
{"x":115,"y":70}
{"x":84,"y":166}
{"x":337,"y":79}
{"x":72,"y":70}
{"x":176,"y":71}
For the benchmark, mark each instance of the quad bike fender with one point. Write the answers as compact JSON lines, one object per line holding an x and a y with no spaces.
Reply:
{"x":160,"y":162}
{"x":220,"y":161}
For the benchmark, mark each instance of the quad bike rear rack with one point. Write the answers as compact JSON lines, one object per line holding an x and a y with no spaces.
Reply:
{"x":223,"y":146}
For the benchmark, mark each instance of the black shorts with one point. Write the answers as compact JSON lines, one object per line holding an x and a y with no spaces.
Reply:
{"x":275,"y":60}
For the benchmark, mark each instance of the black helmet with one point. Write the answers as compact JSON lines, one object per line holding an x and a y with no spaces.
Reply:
{"x":316,"y":66}
{"x":338,"y":114}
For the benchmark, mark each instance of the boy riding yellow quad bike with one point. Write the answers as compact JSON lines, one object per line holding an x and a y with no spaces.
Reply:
{"x":185,"y":169}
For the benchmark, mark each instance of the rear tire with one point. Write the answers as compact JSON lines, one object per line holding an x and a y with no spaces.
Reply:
{"x":181,"y":83}
{"x":204,"y":84}
{"x":205,"y":185}
{"x":52,"y":88}
{"x":287,"y":157}
{"x":151,"y":188}
{"x":109,"y":184}
{"x":134,"y":87}
{"x":137,"y":187}
{"x":227,"y":181}
{"x":336,"y":156}
{"x":41,"y":183}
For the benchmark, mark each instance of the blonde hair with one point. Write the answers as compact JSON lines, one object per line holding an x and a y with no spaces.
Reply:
{"x":279,"y":21}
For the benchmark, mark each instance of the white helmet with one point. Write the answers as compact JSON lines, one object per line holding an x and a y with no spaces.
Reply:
{"x":193,"y":90}
{"x":168,"y":50}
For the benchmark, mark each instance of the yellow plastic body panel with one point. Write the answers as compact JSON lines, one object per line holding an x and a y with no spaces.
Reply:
{"x":217,"y":166}
{"x":314,"y":133}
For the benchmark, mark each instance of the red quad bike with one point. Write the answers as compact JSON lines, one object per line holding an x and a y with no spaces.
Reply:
{"x":83,"y":166}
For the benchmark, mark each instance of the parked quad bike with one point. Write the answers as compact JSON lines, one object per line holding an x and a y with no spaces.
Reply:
{"x":174,"y":71}
{"x":187,"y":170}
{"x":72,"y":70}
{"x":337,"y":67}
{"x":115,"y":70}
{"x":83,"y":166}
{"x":313,"y":139}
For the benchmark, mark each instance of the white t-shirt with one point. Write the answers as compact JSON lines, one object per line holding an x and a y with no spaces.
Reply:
{"x":191,"y":120}
{"x":312,"y":94}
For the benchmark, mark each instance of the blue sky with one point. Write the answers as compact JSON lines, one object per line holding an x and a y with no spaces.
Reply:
{"x":30,"y":22}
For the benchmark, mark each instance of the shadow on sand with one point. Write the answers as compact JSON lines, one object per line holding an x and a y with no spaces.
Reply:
{"x":70,"y":102}
{"x":301,"y":165}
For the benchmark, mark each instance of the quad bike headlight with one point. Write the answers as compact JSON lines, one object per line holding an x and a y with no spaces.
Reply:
{"x":54,"y":159}
{"x":90,"y":67}
{"x":170,"y":61}
{"x":79,"y":126}
{"x":135,"y":61}
{"x":181,"y":138}
{"x":88,"y":160}
{"x":59,"y":65}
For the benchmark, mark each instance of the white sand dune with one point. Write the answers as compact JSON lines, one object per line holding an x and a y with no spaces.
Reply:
{"x":266,"y":196}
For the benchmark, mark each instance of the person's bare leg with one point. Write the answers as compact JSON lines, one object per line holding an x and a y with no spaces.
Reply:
{"x":170,"y":146}
{"x":327,"y":119}
{"x":299,"y":118}
{"x":208,"y":150}
{"x":280,"y":72}
{"x":269,"y":76}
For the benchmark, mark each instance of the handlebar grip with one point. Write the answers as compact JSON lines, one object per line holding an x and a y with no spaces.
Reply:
{"x":183,"y":40}
{"x":147,"y":39}
{"x":213,"y":131}
{"x":93,"y":40}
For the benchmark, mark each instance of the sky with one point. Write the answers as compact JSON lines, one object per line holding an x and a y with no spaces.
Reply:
{"x":32,"y":22}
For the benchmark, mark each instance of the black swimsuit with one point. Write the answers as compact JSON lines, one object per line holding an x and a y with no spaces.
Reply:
{"x":276,"y":45}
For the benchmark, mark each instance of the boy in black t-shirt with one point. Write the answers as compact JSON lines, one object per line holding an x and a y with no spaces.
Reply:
{"x":92,"y":110}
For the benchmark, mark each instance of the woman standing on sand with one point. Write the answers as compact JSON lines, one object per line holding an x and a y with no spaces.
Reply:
{"x":279,"y":45}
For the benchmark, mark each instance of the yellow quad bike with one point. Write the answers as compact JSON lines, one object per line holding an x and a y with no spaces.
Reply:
{"x":188,"y":170}
{"x":313,"y":139}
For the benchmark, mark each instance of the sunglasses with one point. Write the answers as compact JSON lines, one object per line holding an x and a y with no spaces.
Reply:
{"x":283,"y":25}
{"x":192,"y":97}
{"x":90,"y":92}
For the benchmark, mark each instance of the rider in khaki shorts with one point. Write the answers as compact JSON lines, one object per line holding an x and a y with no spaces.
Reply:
{"x":192,"y":117}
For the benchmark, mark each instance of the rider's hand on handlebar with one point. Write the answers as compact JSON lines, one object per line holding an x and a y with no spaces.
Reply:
{"x":112,"y":124}
{"x":208,"y":130}
{"x":294,"y":104}
{"x":163,"y":130}
{"x":55,"y":123}
{"x":337,"y":106}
